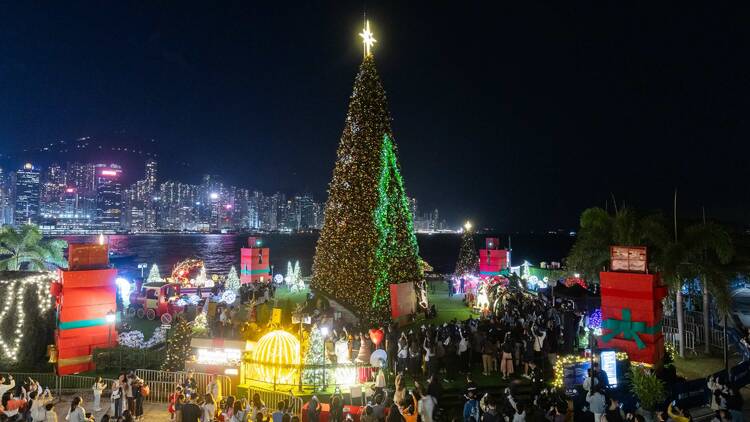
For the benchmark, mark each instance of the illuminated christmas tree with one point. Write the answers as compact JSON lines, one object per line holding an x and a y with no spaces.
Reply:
{"x":178,"y":346}
{"x":202,"y":279}
{"x":289,"y":279}
{"x":367,"y":241}
{"x":314,"y":356}
{"x":468,"y":260}
{"x":153,"y":275}
{"x":233,"y":281}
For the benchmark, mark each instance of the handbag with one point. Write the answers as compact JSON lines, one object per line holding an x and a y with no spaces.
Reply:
{"x":145,"y":390}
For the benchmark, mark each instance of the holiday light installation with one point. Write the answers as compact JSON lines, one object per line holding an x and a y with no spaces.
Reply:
{"x":367,"y":242}
{"x":15,"y":295}
{"x":277,"y":357}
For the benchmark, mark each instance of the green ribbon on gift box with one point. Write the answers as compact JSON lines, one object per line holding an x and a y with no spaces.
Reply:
{"x":628,"y":328}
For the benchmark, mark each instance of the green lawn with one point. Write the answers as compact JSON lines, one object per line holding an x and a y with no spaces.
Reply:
{"x":143,"y":325}
{"x":700,"y":366}
{"x":447,"y":308}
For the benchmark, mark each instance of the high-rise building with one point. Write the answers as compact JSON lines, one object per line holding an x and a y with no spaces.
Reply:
{"x":53,"y":188}
{"x":82,"y":177}
{"x":306,"y":212}
{"x":26,"y":187}
{"x":6,"y":199}
{"x":109,"y":196}
{"x":149,"y":195}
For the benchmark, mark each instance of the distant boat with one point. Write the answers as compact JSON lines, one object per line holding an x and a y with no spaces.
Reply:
{"x":113,"y":256}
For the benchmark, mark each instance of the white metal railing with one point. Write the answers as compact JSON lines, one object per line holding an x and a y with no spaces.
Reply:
{"x":717,"y":338}
{"x":174,"y":378}
{"x":671,"y":335}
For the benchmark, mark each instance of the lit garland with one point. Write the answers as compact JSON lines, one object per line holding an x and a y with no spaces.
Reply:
{"x":564,"y":361}
{"x":368,"y":240}
{"x":16,"y":293}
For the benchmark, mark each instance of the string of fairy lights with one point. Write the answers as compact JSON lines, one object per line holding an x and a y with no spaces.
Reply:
{"x":16,"y":295}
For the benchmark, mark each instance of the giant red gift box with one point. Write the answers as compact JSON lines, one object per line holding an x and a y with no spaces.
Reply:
{"x":255,"y":265}
{"x":641,"y":295}
{"x":85,"y":298}
{"x":492,"y":261}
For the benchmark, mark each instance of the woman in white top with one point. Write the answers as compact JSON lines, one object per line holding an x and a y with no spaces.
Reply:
{"x":98,"y":387}
{"x":209,"y":408}
{"x":77,"y":413}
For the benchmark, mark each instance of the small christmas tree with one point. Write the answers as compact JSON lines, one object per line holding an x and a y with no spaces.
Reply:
{"x":297,"y":274}
{"x":315,"y":356}
{"x":153,"y":275}
{"x":468,"y":260}
{"x":202,"y":279}
{"x":178,"y":346}
{"x":233,"y":281}
{"x":289,"y":274}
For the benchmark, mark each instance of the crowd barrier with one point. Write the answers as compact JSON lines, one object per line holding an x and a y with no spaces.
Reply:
{"x":172,"y":379}
{"x":161,"y":384}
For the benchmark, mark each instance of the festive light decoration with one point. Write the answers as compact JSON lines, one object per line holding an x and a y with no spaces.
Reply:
{"x":564,"y":361}
{"x":153,"y":275}
{"x":178,"y":346}
{"x":314,"y":357}
{"x":201,"y":279}
{"x":233,"y":280}
{"x":277,"y":357}
{"x":289,"y":279}
{"x":15,"y":294}
{"x":368,"y":39}
{"x":134,"y":339}
{"x":345,"y":375}
{"x":228,"y":297}
{"x":468,"y":260}
{"x":367,"y":241}
{"x":123,"y":288}
{"x":200,"y":323}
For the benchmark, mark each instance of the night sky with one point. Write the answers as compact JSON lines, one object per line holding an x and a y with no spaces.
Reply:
{"x":517,"y":117}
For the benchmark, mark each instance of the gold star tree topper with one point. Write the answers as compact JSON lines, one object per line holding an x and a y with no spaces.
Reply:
{"x":367,"y":38}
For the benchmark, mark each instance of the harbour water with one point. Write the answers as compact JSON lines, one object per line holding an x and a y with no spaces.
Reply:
{"x":219,"y":252}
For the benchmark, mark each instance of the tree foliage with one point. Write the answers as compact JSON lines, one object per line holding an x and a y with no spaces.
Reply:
{"x":26,"y":249}
{"x":367,"y":241}
{"x":468,"y":260}
{"x":178,"y":346}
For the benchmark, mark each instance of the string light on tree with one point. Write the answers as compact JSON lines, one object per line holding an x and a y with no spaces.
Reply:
{"x":233,"y":281}
{"x":153,"y":275}
{"x":367,"y":241}
{"x":15,"y":294}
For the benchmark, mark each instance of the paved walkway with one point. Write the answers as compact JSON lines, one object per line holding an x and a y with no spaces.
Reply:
{"x":156,"y":412}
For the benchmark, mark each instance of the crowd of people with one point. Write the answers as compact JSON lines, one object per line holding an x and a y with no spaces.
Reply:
{"x":26,"y":400}
{"x":187,"y":404}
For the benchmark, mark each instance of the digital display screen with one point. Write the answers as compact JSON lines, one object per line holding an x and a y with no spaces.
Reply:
{"x":608,"y":363}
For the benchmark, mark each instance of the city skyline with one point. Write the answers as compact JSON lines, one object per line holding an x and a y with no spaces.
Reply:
{"x":95,"y":197}
{"x":514,"y":116}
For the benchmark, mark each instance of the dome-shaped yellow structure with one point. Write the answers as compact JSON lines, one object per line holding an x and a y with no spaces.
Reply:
{"x":277,"y":356}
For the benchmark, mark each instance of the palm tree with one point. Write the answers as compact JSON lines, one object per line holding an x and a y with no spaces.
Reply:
{"x":25,"y":249}
{"x":599,"y":230}
{"x":695,"y":252}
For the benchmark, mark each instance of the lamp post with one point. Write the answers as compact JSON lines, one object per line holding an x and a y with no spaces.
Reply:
{"x":142,"y":266}
{"x":324,"y":332}
{"x":110,"y":318}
